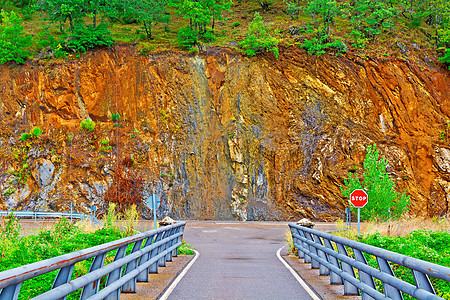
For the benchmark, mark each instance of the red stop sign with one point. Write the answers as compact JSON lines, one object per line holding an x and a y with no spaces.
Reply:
{"x":359,"y":198}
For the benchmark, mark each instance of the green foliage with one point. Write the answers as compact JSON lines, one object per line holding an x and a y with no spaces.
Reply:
{"x":185,"y":248}
{"x":187,"y":38}
{"x":318,"y":45}
{"x":446,"y":58}
{"x":150,"y":13}
{"x":111,"y":217}
{"x":105,"y":141}
{"x":115,"y":117}
{"x":87,"y":124}
{"x":444,"y":134}
{"x":379,"y":187}
{"x":36,"y":132}
{"x":293,"y":9}
{"x":25,"y":136}
{"x":431,"y":246}
{"x":258,"y":38}
{"x":62,"y":238}
{"x":13,"y":41}
{"x":9,"y":233}
{"x":88,"y":37}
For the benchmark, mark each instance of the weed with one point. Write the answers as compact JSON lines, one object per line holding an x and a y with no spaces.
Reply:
{"x":235,"y":24}
{"x":185,"y":248}
{"x":115,"y":117}
{"x":105,"y":141}
{"x":131,"y":217}
{"x":87,"y":124}
{"x":444,"y":134}
{"x":290,"y":242}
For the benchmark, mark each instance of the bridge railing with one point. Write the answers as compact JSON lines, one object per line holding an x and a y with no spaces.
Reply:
{"x":330,"y":254}
{"x":50,"y":214}
{"x":150,"y":250}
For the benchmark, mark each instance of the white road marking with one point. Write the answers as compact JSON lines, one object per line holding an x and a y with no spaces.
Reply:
{"x":209,"y":231}
{"x":298,"y":278}
{"x":179,"y":277}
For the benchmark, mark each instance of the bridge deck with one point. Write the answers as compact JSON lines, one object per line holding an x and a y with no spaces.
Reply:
{"x":237,"y":261}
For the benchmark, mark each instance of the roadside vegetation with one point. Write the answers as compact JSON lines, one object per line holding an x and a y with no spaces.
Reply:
{"x":53,"y":29}
{"x":426,"y":239}
{"x":62,"y":238}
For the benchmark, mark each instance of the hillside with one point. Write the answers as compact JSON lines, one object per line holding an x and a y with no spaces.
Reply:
{"x":414,"y":29}
{"x":220,"y":135}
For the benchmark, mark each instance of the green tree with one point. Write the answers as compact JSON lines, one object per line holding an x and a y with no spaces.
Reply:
{"x":379,"y":187}
{"x":151,"y":12}
{"x":61,"y":11}
{"x":13,"y":41}
{"x":259,"y":39}
{"x":323,"y":13}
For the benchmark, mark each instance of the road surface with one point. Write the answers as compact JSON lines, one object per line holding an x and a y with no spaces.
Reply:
{"x":237,"y":261}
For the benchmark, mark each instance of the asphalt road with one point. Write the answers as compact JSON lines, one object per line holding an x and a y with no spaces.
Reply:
{"x":237,"y":261}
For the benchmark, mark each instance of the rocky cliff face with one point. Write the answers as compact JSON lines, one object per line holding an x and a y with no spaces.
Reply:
{"x":221,"y":136}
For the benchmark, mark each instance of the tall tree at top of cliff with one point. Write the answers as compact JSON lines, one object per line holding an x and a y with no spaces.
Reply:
{"x":150,"y":12}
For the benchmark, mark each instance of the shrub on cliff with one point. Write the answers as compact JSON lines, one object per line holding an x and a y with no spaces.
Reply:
{"x":88,"y":37}
{"x":258,"y":38}
{"x":379,"y":187}
{"x":13,"y":41}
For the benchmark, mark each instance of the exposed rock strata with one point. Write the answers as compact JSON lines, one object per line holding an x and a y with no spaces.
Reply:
{"x":220,"y":136}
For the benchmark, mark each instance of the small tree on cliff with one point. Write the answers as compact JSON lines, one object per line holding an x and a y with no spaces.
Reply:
{"x":259,"y":39}
{"x":379,"y":187}
{"x":13,"y":40}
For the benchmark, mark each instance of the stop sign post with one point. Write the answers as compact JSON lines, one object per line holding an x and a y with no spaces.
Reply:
{"x":359,"y":199}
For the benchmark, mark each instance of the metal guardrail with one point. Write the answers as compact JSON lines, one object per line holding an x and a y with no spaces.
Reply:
{"x":150,"y":250}
{"x":319,"y":249}
{"x":48,"y":214}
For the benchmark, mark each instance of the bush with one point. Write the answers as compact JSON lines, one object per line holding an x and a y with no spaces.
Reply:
{"x":115,"y":117}
{"x":379,"y":187}
{"x":446,"y":58}
{"x":87,"y":124}
{"x":318,"y":45}
{"x":258,"y":38}
{"x":187,"y":38}
{"x":88,"y":37}
{"x":13,"y":41}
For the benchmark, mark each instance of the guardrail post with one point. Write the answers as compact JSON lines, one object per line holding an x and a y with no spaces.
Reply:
{"x":143,"y":276}
{"x":307,"y":258}
{"x":423,"y":282}
{"x":178,"y":229}
{"x":389,"y":290}
{"x":92,"y":288}
{"x":162,"y":260}
{"x":63,"y":277}
{"x":169,"y":244}
{"x":314,"y":263}
{"x":322,"y":269}
{"x":334,"y":278}
{"x":115,"y":275}
{"x":130,"y":286}
{"x":349,"y":289}
{"x":11,"y":292}
{"x":297,"y":241}
{"x":154,"y":267}
{"x":363,"y":276}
